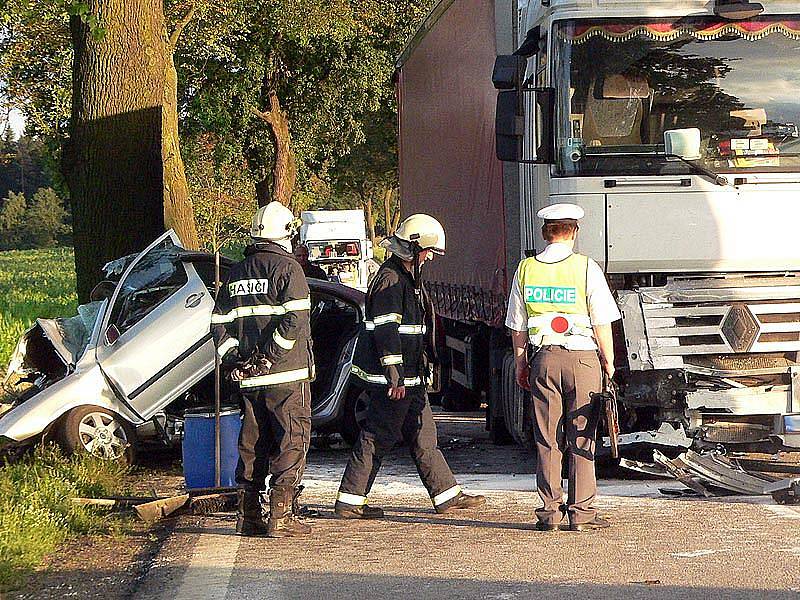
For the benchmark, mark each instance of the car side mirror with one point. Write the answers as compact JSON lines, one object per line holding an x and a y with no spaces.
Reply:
{"x":112,"y":334}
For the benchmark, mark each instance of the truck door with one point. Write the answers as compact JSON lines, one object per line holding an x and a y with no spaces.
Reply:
{"x":155,"y":342}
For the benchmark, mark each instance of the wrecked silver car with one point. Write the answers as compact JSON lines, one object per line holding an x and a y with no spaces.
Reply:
{"x":123,"y":371}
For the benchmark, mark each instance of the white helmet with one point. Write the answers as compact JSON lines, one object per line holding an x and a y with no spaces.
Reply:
{"x":273,"y":222}
{"x":424,"y":230}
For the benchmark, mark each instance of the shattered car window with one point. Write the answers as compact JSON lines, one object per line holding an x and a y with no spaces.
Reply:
{"x":77,"y":330}
{"x":155,"y":278}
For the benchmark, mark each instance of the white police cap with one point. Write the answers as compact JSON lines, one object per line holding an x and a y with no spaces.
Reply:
{"x":558,"y":212}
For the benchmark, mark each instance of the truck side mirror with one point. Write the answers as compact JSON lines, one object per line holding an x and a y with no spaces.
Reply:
{"x":509,"y":72}
{"x":524,"y":129}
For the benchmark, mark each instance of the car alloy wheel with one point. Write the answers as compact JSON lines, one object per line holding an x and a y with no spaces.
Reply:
{"x":102,"y":435}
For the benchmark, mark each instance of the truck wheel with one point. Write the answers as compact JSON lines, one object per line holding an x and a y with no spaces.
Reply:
{"x":517,"y":408}
{"x":355,"y":414}
{"x":457,"y":398}
{"x":97,"y":431}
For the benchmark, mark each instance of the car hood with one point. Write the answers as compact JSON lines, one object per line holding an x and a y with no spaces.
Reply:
{"x":52,"y":347}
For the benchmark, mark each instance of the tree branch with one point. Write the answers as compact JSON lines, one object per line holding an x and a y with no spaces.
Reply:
{"x":180,"y":26}
{"x":263,"y":115}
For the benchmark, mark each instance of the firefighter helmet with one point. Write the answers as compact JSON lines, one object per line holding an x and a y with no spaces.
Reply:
{"x":423,"y":230}
{"x":273,"y":222}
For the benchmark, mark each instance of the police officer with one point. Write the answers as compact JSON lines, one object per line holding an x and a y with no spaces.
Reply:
{"x":391,"y":363}
{"x":261,"y":327}
{"x":561,"y":308}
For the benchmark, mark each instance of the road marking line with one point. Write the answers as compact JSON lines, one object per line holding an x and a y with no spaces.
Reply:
{"x":209,"y":572}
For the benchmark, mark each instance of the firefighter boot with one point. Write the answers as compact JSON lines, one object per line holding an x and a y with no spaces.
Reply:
{"x":346,"y":511}
{"x":249,"y":520}
{"x":461,"y":502}
{"x":282,"y":523}
{"x":299,"y":510}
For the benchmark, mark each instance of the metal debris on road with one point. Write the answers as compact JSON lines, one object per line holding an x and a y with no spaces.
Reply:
{"x":709,"y":473}
{"x":786,"y":491}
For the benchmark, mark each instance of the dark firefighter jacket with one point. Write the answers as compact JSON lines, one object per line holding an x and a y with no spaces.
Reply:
{"x":264,"y":308}
{"x":391,"y":348}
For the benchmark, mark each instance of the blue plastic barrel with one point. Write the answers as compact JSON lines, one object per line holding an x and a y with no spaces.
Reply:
{"x":198,"y":447}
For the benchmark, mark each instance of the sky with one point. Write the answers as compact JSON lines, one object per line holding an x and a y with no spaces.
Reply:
{"x":16,"y":121}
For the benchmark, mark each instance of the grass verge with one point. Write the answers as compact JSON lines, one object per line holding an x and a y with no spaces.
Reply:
{"x":36,"y":510}
{"x":33,"y":283}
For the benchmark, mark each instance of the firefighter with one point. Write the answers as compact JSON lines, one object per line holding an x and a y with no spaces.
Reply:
{"x":392,"y":363}
{"x":261,"y":327}
{"x":560,"y":312}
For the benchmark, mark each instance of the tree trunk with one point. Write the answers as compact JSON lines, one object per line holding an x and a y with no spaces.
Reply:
{"x":366,"y":202}
{"x":391,"y":225}
{"x":396,"y":218}
{"x":178,"y":210}
{"x":284,"y":168}
{"x":123,"y":191}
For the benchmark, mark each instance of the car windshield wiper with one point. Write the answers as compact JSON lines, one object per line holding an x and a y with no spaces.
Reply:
{"x":715,"y":178}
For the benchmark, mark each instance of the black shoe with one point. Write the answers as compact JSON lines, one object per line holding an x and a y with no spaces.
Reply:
{"x":249,"y":528}
{"x":460,"y":502}
{"x":348,"y":511}
{"x":542,"y":526}
{"x":249,"y":519}
{"x":596,"y":523}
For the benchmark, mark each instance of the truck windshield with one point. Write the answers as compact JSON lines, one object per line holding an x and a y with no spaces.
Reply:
{"x":621,"y":84}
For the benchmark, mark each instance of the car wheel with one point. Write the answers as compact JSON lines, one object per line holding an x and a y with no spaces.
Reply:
{"x":97,"y":431}
{"x":355,"y":413}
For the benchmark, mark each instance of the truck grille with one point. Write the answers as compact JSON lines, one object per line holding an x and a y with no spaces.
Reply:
{"x":712,"y":317}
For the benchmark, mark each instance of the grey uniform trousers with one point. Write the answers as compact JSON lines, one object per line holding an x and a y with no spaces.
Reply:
{"x":275,"y":434}
{"x":388,"y":422}
{"x":562,"y":384}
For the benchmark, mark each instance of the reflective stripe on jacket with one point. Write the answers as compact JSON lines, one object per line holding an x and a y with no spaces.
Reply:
{"x":555,"y":299}
{"x":264,"y":308}
{"x":391,"y":345}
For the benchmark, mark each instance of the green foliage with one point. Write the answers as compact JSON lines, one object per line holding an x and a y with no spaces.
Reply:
{"x":45,"y":219}
{"x":331,"y":64}
{"x":221,"y":193}
{"x":12,"y":217}
{"x":33,"y":283}
{"x":330,"y":61}
{"x":40,"y":223}
{"x":36,"y":511}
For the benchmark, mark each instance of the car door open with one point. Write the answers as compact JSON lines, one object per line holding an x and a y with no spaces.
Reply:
{"x":155,"y":342}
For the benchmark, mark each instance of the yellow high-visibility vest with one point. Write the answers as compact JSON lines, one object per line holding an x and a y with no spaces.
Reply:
{"x":555,"y":299}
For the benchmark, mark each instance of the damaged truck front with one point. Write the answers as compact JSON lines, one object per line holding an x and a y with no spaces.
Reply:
{"x":673,"y":125}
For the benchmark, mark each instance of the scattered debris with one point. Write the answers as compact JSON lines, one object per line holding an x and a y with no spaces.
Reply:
{"x":154,"y":507}
{"x":213,"y":503}
{"x":151,"y":512}
{"x":707,"y":474}
{"x":786,"y":491}
{"x":680,"y":492}
{"x":643,"y":467}
{"x":666,"y":435}
{"x":694,"y":553}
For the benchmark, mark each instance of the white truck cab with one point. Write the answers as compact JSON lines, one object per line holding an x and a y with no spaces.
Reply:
{"x":673,"y":124}
{"x":337,"y":243}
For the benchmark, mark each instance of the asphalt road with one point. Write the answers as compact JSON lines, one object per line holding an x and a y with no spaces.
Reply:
{"x":658,"y":547}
